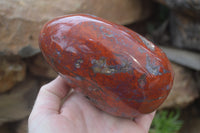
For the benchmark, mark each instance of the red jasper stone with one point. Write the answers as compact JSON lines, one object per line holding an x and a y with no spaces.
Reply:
{"x":118,"y":70}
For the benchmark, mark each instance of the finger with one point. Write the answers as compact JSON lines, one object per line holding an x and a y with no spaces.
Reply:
{"x":145,"y":120}
{"x":50,"y":96}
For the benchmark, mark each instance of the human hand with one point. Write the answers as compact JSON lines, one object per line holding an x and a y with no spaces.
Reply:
{"x":53,"y":112}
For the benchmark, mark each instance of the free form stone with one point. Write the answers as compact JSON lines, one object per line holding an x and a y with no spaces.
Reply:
{"x":115,"y":68}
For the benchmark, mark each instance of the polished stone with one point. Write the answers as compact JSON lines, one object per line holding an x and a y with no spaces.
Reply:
{"x":118,"y":70}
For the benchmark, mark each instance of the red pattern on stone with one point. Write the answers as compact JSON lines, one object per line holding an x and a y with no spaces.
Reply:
{"x":118,"y":70}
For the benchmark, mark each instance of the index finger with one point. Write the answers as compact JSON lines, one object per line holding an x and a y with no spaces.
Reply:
{"x":145,"y":120}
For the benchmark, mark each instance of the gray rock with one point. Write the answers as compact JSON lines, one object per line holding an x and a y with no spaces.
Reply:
{"x":186,"y":58}
{"x":185,"y":31}
{"x":18,"y":103}
{"x":28,"y":51}
{"x":190,"y":7}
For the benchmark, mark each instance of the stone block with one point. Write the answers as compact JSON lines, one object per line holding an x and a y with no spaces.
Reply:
{"x":12,"y":71}
{"x":184,"y":90}
{"x":17,"y":103}
{"x":22,"y":20}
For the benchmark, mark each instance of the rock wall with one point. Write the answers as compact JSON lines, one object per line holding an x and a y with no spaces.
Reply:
{"x":21,"y":20}
{"x":184,"y":23}
{"x":23,"y":69}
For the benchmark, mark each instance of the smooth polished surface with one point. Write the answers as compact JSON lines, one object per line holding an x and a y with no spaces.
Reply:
{"x":118,"y":70}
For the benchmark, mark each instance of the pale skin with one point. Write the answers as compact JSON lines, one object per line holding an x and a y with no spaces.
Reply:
{"x":54,"y":113}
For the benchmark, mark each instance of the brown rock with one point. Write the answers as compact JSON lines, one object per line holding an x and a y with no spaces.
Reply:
{"x":22,"y":126}
{"x":184,"y":90}
{"x":191,"y":126}
{"x":39,"y":67}
{"x":18,"y":103}
{"x":5,"y":128}
{"x":12,"y":71}
{"x":21,"y":20}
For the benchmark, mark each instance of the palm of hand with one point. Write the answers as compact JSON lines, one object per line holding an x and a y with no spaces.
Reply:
{"x":76,"y":115}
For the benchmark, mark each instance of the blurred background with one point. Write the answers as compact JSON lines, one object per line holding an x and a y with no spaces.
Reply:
{"x":174,"y":25}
